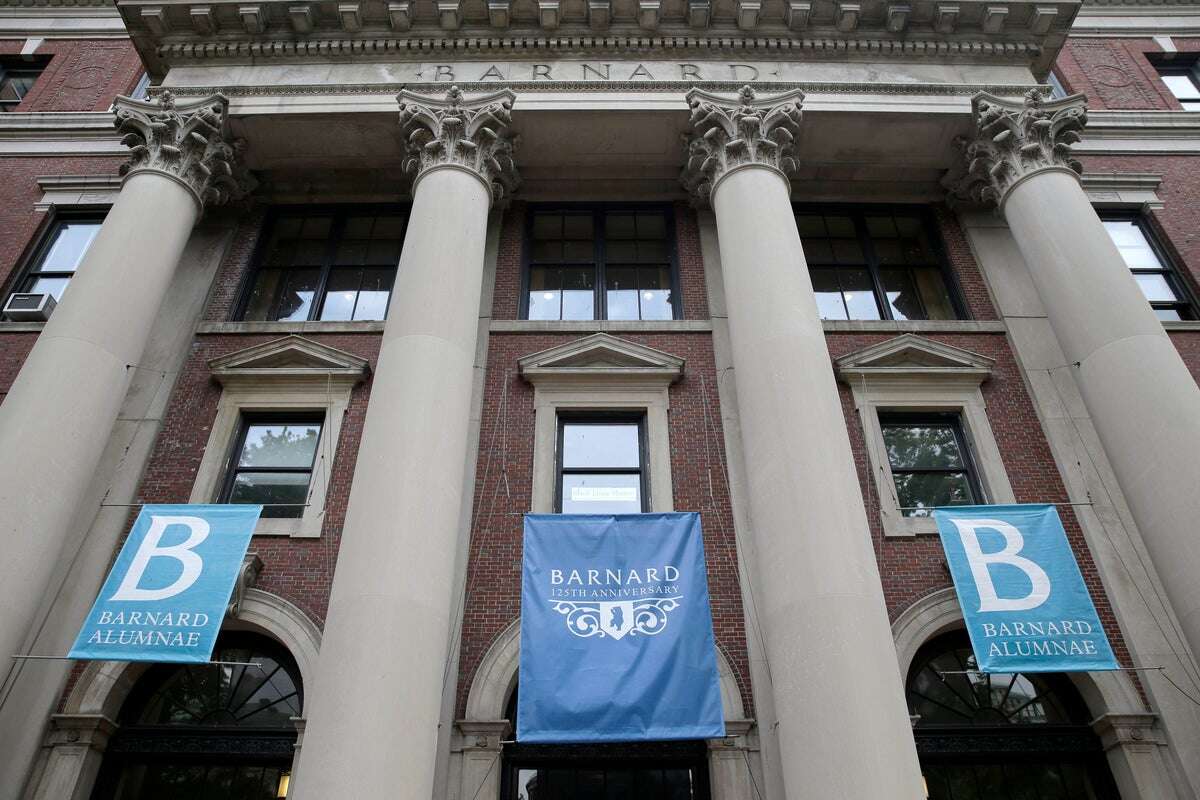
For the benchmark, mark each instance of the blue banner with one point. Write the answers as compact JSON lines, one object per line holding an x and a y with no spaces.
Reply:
{"x":616,"y":633}
{"x":166,"y":595}
{"x":1026,"y":606}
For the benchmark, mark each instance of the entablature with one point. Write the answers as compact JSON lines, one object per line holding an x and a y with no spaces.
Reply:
{"x":168,"y":32}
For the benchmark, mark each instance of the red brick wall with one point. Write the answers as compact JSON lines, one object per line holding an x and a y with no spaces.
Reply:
{"x":504,"y":485}
{"x":914,"y":567}
{"x":1116,"y":73}
{"x":83,"y":74}
{"x":962,"y":263}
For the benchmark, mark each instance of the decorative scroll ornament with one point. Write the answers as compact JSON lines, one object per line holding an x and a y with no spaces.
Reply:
{"x":247,"y":576}
{"x":728,"y":134}
{"x":1015,"y":139}
{"x":619,"y":619}
{"x":470,"y":134}
{"x":186,"y":140}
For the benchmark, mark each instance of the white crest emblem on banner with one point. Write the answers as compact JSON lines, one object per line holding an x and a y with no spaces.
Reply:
{"x":617,"y":620}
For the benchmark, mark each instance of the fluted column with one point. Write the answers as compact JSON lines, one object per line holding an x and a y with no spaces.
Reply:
{"x":1143,"y":402}
{"x":57,"y":417}
{"x":375,"y":706}
{"x":844,"y":730}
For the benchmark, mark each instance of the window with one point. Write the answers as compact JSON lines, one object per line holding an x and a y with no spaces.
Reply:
{"x":326,"y":264}
{"x":17,"y":76}
{"x":1001,"y":736}
{"x":142,"y":90}
{"x":930,"y":463}
{"x":208,"y":731}
{"x":1150,"y":267}
{"x":600,"y":465}
{"x":601,"y":263}
{"x":59,"y":255}
{"x":272,"y":463}
{"x":1184,"y":82}
{"x":1057,"y":90}
{"x":875,"y":264}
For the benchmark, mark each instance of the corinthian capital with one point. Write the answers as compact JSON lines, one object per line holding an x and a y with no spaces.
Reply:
{"x":1016,"y":139}
{"x":187,"y":141}
{"x":469,"y":134}
{"x":728,"y":133}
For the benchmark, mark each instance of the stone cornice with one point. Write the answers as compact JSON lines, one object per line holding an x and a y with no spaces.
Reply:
{"x":473,"y":134}
{"x":731,"y":133}
{"x":1014,"y":140}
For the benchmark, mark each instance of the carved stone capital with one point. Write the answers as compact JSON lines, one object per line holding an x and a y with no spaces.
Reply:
{"x":186,"y":140}
{"x":1014,"y":140}
{"x":730,"y":133}
{"x":474,"y":135}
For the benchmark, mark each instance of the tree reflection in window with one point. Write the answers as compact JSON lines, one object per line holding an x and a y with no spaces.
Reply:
{"x":930,"y":463}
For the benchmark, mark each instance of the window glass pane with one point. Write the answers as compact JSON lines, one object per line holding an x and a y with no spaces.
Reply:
{"x":881,"y":228}
{"x":584,"y":493}
{"x":622,"y":293}
{"x":578,"y":297}
{"x":620,"y":226}
{"x":620,"y":251}
{"x":374,"y":294}
{"x":888,"y":251}
{"x":1155,"y":287}
{"x":828,"y":293}
{"x":544,"y":295}
{"x":609,"y":445}
{"x":1168,"y":314}
{"x":71,"y":241}
{"x":848,"y":251}
{"x":272,"y":488}
{"x":351,"y":252}
{"x":551,"y":252}
{"x":856,"y":289}
{"x":1132,"y":243}
{"x":1181,"y":86}
{"x":653,"y":251}
{"x":817,"y":251}
{"x":901,"y":294}
{"x":922,"y":446}
{"x":262,"y":296}
{"x":577,"y":226}
{"x":547,"y":226}
{"x":589,"y":784}
{"x":840,"y":226}
{"x":652,"y":226}
{"x":300,"y":286}
{"x":655,"y":286}
{"x":579,"y":250}
{"x":340,"y":294}
{"x":52,"y":286}
{"x":918,"y":491}
{"x":931,"y":284}
{"x":280,"y":444}
{"x":382,"y":252}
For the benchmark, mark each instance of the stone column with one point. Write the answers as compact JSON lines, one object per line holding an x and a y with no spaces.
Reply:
{"x":1143,"y":401}
{"x":56,"y":419}
{"x":843,"y":725}
{"x":372,"y":727}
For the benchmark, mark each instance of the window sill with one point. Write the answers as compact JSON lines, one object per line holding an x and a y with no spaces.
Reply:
{"x":307,"y":527}
{"x":21,"y":327}
{"x":290,"y":327}
{"x":601,"y":326}
{"x":913,"y":326}
{"x":1184,"y":325}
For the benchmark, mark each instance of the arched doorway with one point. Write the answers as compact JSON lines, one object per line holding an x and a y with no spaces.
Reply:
{"x":207,"y":732}
{"x":1021,"y":736}
{"x":636,"y":771}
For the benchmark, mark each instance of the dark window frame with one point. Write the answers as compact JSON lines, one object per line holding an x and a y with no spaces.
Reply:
{"x":565,"y":418}
{"x":1187,"y":65}
{"x":951,"y":419}
{"x":1186,"y":305}
{"x":24,"y":65}
{"x":248,"y":419}
{"x":41,"y":242}
{"x":599,"y":286}
{"x":338,"y":212}
{"x":859,"y":212}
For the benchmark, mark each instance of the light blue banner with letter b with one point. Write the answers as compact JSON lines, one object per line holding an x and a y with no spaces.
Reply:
{"x":1026,"y":606}
{"x":616,"y":632}
{"x":166,"y":595}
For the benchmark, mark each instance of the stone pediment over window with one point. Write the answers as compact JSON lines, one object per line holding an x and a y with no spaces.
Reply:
{"x":601,"y":358}
{"x":911,"y":357}
{"x":290,"y":360}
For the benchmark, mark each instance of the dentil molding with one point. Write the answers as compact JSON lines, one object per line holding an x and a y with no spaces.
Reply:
{"x":470,"y":134}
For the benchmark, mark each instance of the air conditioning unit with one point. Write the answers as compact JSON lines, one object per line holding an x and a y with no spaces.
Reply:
{"x":29,"y":307}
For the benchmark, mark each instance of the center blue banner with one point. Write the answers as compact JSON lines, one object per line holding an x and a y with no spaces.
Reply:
{"x":1026,"y":606}
{"x":167,"y":592}
{"x":616,"y":632}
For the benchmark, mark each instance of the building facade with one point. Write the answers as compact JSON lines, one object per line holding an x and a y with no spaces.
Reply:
{"x":405,"y":271}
